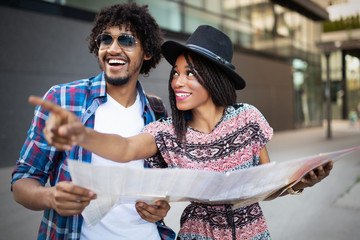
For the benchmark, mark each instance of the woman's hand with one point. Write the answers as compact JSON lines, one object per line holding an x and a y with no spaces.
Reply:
{"x":310,"y":179}
{"x":314,"y":176}
{"x":63,"y":129}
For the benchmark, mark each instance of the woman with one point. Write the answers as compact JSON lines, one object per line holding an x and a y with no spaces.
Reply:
{"x":207,"y":130}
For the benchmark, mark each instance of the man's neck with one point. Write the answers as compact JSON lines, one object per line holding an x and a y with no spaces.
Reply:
{"x":125,"y":94}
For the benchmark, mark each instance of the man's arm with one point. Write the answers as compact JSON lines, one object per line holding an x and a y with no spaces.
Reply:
{"x":31,"y":194}
{"x":63,"y":129}
{"x":37,"y":161}
{"x":65,"y":198}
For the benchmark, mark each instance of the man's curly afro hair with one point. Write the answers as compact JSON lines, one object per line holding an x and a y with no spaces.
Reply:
{"x":139,"y":21}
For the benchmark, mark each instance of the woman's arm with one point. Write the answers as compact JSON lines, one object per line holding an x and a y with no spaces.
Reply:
{"x":264,"y":156}
{"x":117,"y":148}
{"x":63,"y":130}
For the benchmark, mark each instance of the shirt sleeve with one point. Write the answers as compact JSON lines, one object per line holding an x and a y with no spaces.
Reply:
{"x":265,"y":132}
{"x":156,"y":130}
{"x":37,"y":158}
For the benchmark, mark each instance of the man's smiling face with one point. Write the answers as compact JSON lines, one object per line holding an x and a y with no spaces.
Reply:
{"x":120,"y":64}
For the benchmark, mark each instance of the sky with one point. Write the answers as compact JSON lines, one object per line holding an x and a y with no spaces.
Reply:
{"x":351,"y":8}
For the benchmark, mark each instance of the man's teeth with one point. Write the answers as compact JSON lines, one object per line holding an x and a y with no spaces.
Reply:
{"x":182,"y":94}
{"x":116,"y":61}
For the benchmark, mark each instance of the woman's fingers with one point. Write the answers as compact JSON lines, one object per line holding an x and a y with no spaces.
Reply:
{"x":63,"y":128}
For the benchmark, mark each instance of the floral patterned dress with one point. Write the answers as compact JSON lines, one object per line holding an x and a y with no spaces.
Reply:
{"x":234,"y":143}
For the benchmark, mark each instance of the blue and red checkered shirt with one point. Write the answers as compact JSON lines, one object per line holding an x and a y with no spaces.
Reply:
{"x":45,"y":163}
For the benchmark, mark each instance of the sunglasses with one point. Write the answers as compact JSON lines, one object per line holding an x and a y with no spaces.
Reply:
{"x":125,"y":41}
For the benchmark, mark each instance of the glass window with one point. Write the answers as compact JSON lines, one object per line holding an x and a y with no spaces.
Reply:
{"x":166,"y":13}
{"x":92,"y":5}
{"x":194,"y":3}
{"x":61,"y":2}
{"x":335,"y":66}
{"x":240,"y":34}
{"x":353,"y":82}
{"x":194,"y":18}
{"x":213,"y":6}
{"x":230,"y":8}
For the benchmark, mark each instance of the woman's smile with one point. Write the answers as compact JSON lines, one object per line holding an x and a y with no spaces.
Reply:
{"x":181,"y":95}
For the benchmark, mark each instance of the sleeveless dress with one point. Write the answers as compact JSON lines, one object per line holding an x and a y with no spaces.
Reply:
{"x":234,"y":143}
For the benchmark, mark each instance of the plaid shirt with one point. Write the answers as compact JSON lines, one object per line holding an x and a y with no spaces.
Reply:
{"x":42,"y":162}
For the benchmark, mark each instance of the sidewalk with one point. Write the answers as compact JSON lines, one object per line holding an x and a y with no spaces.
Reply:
{"x":330,"y":210}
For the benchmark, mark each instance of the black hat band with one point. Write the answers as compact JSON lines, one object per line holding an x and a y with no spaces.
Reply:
{"x":210,"y":54}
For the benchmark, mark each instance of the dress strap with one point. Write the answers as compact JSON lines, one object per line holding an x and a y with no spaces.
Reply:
{"x":230,"y":219}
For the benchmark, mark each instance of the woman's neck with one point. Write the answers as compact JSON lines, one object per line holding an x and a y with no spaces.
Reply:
{"x":205,"y":119}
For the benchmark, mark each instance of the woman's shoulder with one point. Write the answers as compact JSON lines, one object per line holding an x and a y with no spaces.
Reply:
{"x":163,"y":124}
{"x":241,"y":108}
{"x":164,"y":121}
{"x":244,"y":113}
{"x":241,"y":115}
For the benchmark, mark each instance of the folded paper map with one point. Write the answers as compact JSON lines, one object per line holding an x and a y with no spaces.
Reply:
{"x":115,"y":185}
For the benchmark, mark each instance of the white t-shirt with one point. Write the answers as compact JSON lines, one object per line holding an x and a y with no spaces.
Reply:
{"x":122,"y":221}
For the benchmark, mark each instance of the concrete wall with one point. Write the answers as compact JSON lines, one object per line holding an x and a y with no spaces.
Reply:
{"x":40,"y":50}
{"x":269,"y":87}
{"x":37,"y":51}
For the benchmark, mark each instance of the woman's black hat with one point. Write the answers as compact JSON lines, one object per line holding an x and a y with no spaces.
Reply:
{"x":210,"y":43}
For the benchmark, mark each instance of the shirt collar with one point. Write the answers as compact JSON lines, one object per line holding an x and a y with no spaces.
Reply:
{"x":98,"y":90}
{"x":144,"y":101}
{"x":97,"y":86}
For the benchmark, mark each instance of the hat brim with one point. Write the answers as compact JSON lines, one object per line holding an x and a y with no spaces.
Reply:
{"x":171,"y":50}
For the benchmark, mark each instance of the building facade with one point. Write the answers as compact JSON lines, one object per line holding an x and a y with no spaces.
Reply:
{"x":275,"y":52}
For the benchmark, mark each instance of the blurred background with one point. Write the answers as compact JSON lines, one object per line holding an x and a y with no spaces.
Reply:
{"x":300,"y":59}
{"x":281,"y":49}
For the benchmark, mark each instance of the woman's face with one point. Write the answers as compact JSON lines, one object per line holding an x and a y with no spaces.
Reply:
{"x":189,"y":93}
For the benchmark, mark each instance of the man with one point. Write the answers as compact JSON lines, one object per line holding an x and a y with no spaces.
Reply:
{"x":127,"y":41}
